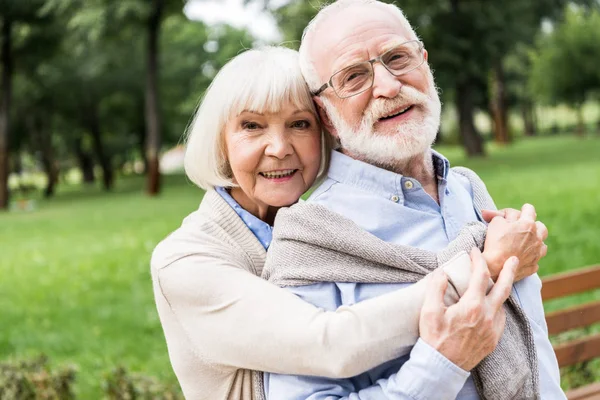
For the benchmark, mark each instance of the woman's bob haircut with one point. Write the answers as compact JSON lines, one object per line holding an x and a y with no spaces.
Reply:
{"x":262,"y":80}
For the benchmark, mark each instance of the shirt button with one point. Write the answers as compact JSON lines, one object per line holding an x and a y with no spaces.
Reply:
{"x":395,"y":198}
{"x":408,"y":184}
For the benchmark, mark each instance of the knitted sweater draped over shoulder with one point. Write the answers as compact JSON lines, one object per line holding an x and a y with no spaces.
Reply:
{"x":312,"y":244}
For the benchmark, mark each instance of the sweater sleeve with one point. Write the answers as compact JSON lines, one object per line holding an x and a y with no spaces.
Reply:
{"x":235,"y":319}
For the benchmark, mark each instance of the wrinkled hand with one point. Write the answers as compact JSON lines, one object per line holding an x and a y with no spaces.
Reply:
{"x":469,"y":330}
{"x":514,"y":233}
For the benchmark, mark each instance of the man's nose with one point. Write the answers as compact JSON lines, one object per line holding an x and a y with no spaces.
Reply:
{"x":384,"y":83}
{"x":278,"y":145}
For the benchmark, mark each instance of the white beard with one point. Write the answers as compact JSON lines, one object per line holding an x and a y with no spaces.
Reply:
{"x":412,"y":138}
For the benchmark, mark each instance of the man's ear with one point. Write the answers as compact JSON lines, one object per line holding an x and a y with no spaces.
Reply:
{"x":425,"y":55}
{"x":324,"y":117}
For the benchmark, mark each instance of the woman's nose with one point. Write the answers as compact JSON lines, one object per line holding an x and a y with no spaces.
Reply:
{"x":279,"y":145}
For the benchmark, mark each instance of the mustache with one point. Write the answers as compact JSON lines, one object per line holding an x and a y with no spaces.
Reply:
{"x":407,"y":96}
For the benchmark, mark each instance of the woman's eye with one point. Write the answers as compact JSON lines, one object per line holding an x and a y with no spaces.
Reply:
{"x":251,"y":126}
{"x":303,"y":124}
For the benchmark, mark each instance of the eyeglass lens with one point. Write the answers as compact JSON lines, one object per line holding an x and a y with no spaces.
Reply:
{"x":359,"y":77}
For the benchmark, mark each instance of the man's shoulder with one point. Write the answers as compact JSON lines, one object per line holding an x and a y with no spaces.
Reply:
{"x":321,"y":190}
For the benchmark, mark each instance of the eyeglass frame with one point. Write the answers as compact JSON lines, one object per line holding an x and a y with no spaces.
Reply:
{"x":372,"y":61}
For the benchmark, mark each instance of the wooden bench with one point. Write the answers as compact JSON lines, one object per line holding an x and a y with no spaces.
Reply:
{"x":581,"y":349}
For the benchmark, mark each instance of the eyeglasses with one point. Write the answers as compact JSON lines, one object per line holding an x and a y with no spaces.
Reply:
{"x":358,"y":78}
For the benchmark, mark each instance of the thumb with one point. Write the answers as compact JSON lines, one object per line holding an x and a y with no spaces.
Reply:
{"x":434,"y":295}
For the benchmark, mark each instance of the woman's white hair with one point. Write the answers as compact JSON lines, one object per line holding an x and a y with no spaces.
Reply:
{"x":262,"y":80}
{"x":307,"y":65}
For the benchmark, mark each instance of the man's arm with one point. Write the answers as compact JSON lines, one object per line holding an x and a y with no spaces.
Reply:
{"x":453,"y":340}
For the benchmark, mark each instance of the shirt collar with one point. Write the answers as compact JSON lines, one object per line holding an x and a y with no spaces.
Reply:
{"x":260,"y":229}
{"x":365,"y":176}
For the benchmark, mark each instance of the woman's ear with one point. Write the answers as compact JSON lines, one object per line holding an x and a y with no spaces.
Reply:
{"x":324,"y":117}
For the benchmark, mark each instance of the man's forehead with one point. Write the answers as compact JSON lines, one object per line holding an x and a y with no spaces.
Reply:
{"x":352,"y":34}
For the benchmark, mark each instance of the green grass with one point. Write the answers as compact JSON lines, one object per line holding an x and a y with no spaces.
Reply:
{"x":75,"y":273}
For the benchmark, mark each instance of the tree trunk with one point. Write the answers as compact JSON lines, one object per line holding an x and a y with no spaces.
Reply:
{"x":86,"y":162}
{"x":152,"y":105}
{"x":103,"y":158}
{"x":498,"y":99}
{"x":528,"y":114}
{"x":580,"y":122}
{"x":48,"y":160}
{"x":471,"y":139}
{"x":5,"y":104}
{"x":142,"y":147}
{"x":41,"y":132}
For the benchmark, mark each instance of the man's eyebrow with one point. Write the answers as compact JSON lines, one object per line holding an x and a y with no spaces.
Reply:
{"x":347,"y":61}
{"x":390,"y":45}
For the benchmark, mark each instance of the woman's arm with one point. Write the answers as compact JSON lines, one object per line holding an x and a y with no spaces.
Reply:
{"x":236,"y":319}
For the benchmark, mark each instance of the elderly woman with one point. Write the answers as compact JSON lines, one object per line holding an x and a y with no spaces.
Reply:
{"x":255,"y":146}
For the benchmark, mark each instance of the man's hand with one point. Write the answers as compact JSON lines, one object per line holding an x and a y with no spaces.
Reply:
{"x":469,"y":330}
{"x":514,"y":233}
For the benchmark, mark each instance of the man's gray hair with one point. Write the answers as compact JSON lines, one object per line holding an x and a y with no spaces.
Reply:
{"x":307,"y":65}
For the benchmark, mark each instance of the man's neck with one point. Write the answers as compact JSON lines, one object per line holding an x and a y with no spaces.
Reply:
{"x":419,"y":167}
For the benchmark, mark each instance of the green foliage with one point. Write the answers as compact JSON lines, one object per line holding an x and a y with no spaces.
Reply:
{"x":564,"y":69}
{"x":34,"y":379}
{"x":119,"y":384}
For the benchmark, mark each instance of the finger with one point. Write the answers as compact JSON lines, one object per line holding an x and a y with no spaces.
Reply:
{"x":512,"y":215}
{"x":500,"y":321}
{"x":528,"y":212}
{"x":503,"y":286}
{"x":543,"y":251}
{"x":480,"y":276}
{"x":436,"y":288}
{"x":542,"y":230}
{"x":488,"y":215}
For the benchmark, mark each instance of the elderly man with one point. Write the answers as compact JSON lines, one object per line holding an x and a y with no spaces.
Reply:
{"x":376,"y":96}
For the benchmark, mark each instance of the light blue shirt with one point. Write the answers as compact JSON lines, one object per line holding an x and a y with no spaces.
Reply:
{"x":397,"y":209}
{"x":262,"y":230}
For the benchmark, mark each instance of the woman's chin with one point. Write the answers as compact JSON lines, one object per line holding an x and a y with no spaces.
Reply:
{"x":285,"y":200}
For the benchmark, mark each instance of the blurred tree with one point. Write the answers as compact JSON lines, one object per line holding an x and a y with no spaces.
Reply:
{"x":564,"y":68}
{"x":13,"y":14}
{"x":517,"y":65}
{"x":106,"y":18}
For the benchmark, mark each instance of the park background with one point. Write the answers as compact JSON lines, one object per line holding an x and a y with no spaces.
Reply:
{"x":96,"y":94}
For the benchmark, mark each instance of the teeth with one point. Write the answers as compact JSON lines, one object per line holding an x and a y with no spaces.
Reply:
{"x":278,"y":174}
{"x":398,"y":113}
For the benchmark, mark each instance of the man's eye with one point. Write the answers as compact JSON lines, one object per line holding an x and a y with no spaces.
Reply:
{"x":354,"y":75}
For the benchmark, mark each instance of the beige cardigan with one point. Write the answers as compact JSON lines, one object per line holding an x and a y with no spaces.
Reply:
{"x":221,"y":320}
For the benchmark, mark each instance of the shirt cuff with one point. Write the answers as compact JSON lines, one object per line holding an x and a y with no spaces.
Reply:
{"x":429,"y":375}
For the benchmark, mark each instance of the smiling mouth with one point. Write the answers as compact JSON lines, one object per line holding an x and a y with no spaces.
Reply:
{"x":403,"y":111}
{"x":278,"y":174}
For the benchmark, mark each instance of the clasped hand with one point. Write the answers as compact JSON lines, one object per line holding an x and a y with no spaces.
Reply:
{"x":514,"y":233}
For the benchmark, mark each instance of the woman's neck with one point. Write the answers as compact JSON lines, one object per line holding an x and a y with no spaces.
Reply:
{"x":264,"y":212}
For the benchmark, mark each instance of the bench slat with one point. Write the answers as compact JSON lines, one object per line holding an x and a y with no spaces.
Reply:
{"x":572,"y":282}
{"x":573,"y":317}
{"x":578,"y":350}
{"x":588,"y":392}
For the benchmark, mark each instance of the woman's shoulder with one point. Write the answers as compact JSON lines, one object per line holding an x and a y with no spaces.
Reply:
{"x":207,"y":233}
